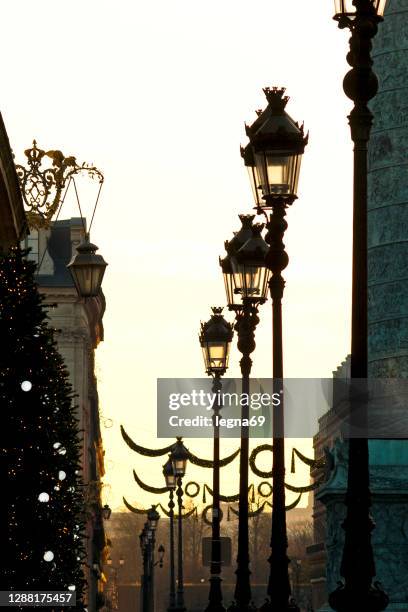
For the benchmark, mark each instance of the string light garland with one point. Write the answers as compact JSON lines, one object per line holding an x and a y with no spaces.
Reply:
{"x":159,"y":452}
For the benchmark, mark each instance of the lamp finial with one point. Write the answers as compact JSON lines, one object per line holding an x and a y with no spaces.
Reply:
{"x":276,"y":97}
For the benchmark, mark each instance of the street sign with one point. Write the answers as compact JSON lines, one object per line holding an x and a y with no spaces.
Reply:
{"x":226,"y":553}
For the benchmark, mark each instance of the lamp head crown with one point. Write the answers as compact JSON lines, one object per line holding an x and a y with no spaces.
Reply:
{"x":152,"y":514}
{"x":217,"y":310}
{"x":276,"y":98}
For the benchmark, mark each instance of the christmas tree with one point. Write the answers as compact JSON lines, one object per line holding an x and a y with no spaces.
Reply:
{"x":40,"y":445}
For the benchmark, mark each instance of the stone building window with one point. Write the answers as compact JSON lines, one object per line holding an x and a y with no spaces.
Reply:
{"x":31,"y":242}
{"x":36,"y":241}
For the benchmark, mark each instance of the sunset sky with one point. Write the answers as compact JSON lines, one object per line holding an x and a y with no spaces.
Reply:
{"x":156,"y":94}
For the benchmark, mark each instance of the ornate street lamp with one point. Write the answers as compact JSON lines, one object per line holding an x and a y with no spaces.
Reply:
{"x":153,"y":518}
{"x":179,"y":456}
{"x":245,"y":277}
{"x":273,"y":158}
{"x":169,"y":474}
{"x":215,"y":340}
{"x":106,"y":512}
{"x":171,"y":484}
{"x":87,"y":269}
{"x":161,"y":552}
{"x":250,"y":272}
{"x":274,"y":153}
{"x":234,"y":300}
{"x":360,"y":85}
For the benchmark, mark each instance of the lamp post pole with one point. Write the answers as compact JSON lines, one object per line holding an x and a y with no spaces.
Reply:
{"x":360,"y":85}
{"x":172,"y":597}
{"x":152,"y":544}
{"x":215,"y":340}
{"x":180,"y":579}
{"x":273,"y":157}
{"x":246,"y":322}
{"x":246,"y":282}
{"x":170,"y":479}
{"x":279,"y":589}
{"x":152,"y":520}
{"x":179,"y":457}
{"x":215,"y":594}
{"x":144,"y":579}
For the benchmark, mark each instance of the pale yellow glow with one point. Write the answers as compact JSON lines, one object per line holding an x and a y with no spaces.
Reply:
{"x":156,"y":94}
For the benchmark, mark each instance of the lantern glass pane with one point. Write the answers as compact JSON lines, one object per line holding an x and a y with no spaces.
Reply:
{"x":339,"y":7}
{"x":217,"y":356}
{"x":233,"y":293}
{"x":179,"y":467}
{"x":256,"y":191}
{"x":343,"y":7}
{"x":380,"y":8}
{"x":253,"y":280}
{"x":87,"y":279}
{"x":171,"y":481}
{"x":277,"y":173}
{"x":206,"y":358}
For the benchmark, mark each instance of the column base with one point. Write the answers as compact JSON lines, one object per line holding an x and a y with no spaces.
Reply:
{"x":344,"y":599}
{"x":215,"y":596}
{"x":271,"y":606}
{"x":234,"y":607}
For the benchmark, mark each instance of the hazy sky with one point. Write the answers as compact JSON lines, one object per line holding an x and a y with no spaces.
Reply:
{"x":156,"y":95}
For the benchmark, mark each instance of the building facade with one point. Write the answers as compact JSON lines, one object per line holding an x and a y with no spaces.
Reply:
{"x":13,"y":223}
{"x":79,"y":329}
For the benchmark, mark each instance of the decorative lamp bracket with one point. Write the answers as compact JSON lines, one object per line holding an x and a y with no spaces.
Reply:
{"x":42,"y":187}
